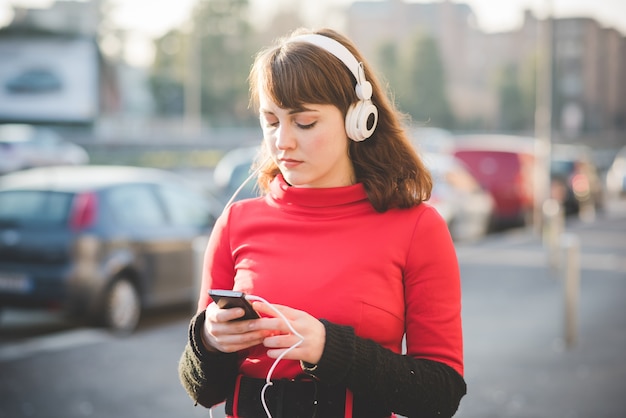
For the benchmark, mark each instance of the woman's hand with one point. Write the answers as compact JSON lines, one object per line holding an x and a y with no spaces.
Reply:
{"x":280,"y":337}
{"x":221,"y":333}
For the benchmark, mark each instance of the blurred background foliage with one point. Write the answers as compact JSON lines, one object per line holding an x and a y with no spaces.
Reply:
{"x":222,"y":43}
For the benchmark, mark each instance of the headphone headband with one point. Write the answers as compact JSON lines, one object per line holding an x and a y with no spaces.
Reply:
{"x":362,"y":117}
{"x":337,"y":49}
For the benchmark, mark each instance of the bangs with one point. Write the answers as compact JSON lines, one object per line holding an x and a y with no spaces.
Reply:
{"x":292,"y":79}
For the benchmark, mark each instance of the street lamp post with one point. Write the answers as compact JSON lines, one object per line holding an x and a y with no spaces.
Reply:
{"x":543,"y":116}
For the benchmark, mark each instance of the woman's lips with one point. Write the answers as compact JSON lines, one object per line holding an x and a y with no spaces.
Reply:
{"x":290,"y":163}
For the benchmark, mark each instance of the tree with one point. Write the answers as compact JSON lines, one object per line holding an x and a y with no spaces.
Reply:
{"x":511,"y":100}
{"x":218,"y":47}
{"x":168,"y":74}
{"x":225,"y":47}
{"x":389,"y":63}
{"x":516,"y":92}
{"x":528,"y":87}
{"x":424,"y":84}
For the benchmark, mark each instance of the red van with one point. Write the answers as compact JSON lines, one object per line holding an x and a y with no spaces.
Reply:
{"x":505,"y":166}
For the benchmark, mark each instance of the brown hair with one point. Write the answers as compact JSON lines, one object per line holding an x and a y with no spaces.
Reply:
{"x":297,"y":73}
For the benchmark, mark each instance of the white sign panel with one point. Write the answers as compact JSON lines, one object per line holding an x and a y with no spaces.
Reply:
{"x":48,"y":80}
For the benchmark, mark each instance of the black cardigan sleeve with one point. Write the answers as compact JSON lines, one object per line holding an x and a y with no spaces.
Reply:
{"x":408,"y":386}
{"x":208,"y":377}
{"x":405,"y":385}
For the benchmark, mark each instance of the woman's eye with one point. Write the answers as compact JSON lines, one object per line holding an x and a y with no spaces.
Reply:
{"x":306,"y":126}
{"x":270,"y":123}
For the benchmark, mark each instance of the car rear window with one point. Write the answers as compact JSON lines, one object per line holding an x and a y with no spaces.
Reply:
{"x":30,"y":207}
{"x":562,"y":167}
{"x":136,"y":205}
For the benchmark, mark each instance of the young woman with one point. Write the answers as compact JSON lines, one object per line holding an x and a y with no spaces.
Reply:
{"x":361,"y":276}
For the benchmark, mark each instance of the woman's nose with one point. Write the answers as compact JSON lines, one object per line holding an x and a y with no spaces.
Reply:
{"x":284,"y":137}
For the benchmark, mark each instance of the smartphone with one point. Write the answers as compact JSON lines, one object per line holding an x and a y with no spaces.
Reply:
{"x":227,"y":299}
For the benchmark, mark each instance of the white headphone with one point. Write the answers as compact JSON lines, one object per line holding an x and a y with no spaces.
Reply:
{"x":362,"y":116}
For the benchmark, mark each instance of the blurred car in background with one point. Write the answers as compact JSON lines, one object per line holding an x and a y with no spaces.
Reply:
{"x":25,"y":146}
{"x":457,"y":196}
{"x":504,"y":165}
{"x":100,"y":242}
{"x":432,"y":139}
{"x":34,"y":80}
{"x":575,"y":182}
{"x":231,"y":172}
{"x":616,"y":174}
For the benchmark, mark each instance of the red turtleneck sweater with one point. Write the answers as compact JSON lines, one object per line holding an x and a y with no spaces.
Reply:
{"x":329,"y":253}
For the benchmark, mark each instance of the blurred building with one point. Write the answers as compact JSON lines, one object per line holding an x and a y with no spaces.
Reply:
{"x":51,"y":67}
{"x":589,"y":61}
{"x":78,"y":17}
{"x":453,"y":25}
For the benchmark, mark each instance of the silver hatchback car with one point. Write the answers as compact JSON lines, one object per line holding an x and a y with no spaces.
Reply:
{"x":101,"y":242}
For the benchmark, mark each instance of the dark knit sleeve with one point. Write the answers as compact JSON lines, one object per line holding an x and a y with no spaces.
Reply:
{"x":408,"y":386}
{"x":208,"y":377}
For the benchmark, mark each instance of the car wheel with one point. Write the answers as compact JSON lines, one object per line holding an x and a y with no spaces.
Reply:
{"x":122,"y":307}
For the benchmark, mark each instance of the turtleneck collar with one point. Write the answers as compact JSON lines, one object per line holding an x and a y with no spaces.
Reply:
{"x":283,"y":193}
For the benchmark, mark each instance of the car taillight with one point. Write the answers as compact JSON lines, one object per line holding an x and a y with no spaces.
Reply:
{"x":580,"y":185}
{"x":83,"y":211}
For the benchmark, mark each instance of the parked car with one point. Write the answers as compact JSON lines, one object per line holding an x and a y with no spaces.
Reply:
{"x":575,"y":182}
{"x":505,"y":166}
{"x":432,"y":139}
{"x":26,"y":146}
{"x":100,"y":242}
{"x":463,"y":203}
{"x":465,"y":206}
{"x":616,"y":175}
{"x":231,"y":172}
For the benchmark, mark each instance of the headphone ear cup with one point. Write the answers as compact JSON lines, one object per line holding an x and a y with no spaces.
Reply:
{"x":361,"y":120}
{"x":364,"y":90}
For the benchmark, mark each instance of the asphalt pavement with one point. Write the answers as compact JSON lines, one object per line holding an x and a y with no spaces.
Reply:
{"x":518,"y":361}
{"x":533,"y":350}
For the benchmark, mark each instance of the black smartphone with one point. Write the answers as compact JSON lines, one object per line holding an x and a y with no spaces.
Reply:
{"x":227,"y":299}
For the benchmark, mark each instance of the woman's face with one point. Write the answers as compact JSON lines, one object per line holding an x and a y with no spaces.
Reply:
{"x":309,"y":145}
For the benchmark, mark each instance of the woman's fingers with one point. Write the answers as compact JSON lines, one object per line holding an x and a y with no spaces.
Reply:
{"x":229,"y":343}
{"x":279,"y":329}
{"x":223,"y":332}
{"x":306,"y":326}
{"x":270,"y":310}
{"x":215,"y":314}
{"x":277,"y":345}
{"x":229,"y":339}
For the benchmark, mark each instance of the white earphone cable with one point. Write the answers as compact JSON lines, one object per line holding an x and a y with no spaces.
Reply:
{"x":268,"y":381}
{"x":241,"y":186}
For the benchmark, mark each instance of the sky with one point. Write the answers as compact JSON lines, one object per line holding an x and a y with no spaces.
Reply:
{"x":492,"y":15}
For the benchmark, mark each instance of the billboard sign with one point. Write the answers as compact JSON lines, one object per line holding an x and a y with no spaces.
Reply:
{"x":48,"y":79}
